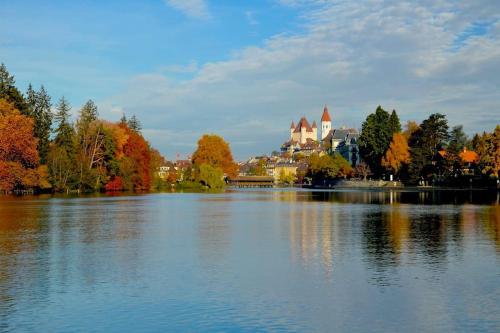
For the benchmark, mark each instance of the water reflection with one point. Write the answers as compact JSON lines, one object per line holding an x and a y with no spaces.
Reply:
{"x":260,"y":260}
{"x":392,"y":232}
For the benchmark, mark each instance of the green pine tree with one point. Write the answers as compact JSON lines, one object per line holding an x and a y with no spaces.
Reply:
{"x":9,"y":91}
{"x":134,"y":124}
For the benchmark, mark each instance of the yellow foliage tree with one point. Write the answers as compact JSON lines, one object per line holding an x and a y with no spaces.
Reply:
{"x":397,"y":154}
{"x":214,"y":151}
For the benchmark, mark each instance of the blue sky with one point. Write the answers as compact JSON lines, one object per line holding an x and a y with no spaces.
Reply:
{"x":245,"y":69}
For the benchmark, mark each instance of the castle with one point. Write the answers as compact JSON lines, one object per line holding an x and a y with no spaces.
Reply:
{"x":304,"y":139}
{"x":304,"y":132}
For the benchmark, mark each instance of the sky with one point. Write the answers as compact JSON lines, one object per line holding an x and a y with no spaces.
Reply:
{"x":246,"y":69}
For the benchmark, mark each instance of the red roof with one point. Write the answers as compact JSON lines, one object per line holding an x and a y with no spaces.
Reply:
{"x":292,"y":126}
{"x":303,"y":123}
{"x":469,"y":156}
{"x":326,"y":115}
{"x":314,"y":124}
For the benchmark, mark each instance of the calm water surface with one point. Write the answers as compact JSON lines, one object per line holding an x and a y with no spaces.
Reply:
{"x":251,"y":261}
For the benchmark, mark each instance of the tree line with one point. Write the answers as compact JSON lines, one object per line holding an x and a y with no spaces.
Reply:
{"x":429,"y":152}
{"x":42,"y":150}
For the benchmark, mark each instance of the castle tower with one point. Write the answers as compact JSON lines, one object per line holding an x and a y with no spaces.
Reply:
{"x":326,"y":123}
{"x":303,"y":129}
{"x":292,"y":128}
{"x":315,"y":130}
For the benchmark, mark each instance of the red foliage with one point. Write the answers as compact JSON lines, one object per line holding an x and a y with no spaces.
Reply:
{"x":116,"y":184}
{"x":137,"y":149}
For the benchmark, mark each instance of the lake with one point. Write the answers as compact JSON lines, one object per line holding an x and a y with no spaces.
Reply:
{"x":251,"y":261}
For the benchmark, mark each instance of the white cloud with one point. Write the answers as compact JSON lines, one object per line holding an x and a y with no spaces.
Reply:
{"x":353,"y":56}
{"x":192,"y":8}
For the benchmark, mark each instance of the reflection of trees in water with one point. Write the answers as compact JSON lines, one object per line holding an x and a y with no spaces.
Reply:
{"x":109,"y":232}
{"x":382,"y":241}
{"x":393,"y":237}
{"x":428,"y":238}
{"x":427,"y":197}
{"x":24,"y":256}
{"x":39,"y":246}
{"x":491,"y":218}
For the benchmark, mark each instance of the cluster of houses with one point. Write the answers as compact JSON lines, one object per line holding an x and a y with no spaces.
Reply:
{"x":177,"y":168}
{"x":305,"y":140}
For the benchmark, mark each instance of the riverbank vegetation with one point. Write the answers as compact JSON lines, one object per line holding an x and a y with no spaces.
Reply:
{"x":429,"y":153}
{"x":45,"y":151}
{"x":210,"y":166}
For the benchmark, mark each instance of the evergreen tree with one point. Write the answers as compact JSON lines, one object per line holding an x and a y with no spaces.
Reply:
{"x":65,"y":132}
{"x":458,"y":140}
{"x":375,"y":138}
{"x":62,"y":155}
{"x":394,"y":123}
{"x":31,"y":100}
{"x":435,"y":133}
{"x":134,"y":124}
{"x":39,"y":109}
{"x":9,"y":92}
{"x":123,"y":120}
{"x":88,"y":114}
{"x":424,"y":144}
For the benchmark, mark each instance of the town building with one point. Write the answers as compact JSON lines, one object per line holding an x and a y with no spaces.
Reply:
{"x":304,"y":139}
{"x":345,"y":142}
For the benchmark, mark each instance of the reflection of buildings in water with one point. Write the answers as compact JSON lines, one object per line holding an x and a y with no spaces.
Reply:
{"x":312,"y":229}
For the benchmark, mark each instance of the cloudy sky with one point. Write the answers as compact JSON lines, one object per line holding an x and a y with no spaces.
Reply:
{"x":246,"y":69}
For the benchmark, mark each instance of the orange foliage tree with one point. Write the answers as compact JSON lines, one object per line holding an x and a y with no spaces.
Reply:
{"x":18,"y":151}
{"x":135,"y":168}
{"x":397,"y":154}
{"x":214,"y":151}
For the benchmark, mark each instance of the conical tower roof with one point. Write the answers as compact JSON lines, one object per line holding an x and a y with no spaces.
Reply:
{"x":326,"y":115}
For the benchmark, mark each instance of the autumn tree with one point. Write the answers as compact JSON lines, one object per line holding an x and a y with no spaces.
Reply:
{"x":410,"y":128}
{"x":214,"y":151}
{"x":18,"y":154}
{"x":210,"y":176}
{"x":398,"y":153}
{"x":495,"y":152}
{"x":286,"y":178}
{"x":487,"y":146}
{"x":157,"y":160}
{"x":135,"y":166}
{"x":328,"y":167}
